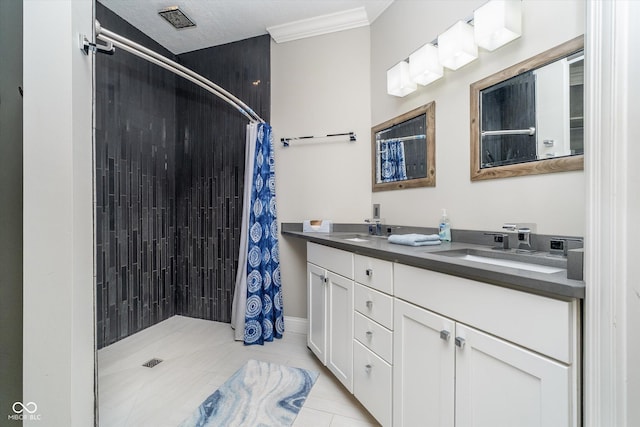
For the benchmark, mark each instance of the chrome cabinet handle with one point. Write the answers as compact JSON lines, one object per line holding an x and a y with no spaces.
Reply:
{"x":445,"y":335}
{"x":369,"y":334}
{"x":460,"y":342}
{"x":325,"y":279}
{"x":368,"y":368}
{"x":369,"y":272}
{"x":369,"y":304}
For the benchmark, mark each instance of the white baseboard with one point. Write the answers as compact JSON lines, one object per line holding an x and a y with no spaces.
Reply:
{"x":297,"y":325}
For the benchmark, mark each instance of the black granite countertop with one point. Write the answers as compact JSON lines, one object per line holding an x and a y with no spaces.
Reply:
{"x":555,"y":285}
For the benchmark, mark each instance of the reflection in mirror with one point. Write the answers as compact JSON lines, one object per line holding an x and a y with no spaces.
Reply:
{"x":403,"y":150}
{"x":400,"y":142}
{"x":528,"y":119}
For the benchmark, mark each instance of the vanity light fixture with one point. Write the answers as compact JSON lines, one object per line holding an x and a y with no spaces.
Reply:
{"x":457,"y":46}
{"x":424,"y":65}
{"x":497,"y":22}
{"x":494,"y":24}
{"x":399,"y":81}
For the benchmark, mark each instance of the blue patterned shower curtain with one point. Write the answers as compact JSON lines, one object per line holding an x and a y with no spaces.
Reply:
{"x":263,"y":315}
{"x":393,"y":166}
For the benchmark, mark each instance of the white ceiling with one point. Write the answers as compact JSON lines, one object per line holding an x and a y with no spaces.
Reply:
{"x":224,"y":21}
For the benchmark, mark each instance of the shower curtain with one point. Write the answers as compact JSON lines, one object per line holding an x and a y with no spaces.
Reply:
{"x":257,"y":314}
{"x":393,"y":161}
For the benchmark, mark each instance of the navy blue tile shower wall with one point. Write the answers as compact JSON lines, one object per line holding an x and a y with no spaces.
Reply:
{"x":169,"y":181}
{"x":210,"y":155}
{"x":135,"y":188}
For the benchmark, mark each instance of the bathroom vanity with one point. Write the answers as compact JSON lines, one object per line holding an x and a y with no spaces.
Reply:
{"x":421,"y":337}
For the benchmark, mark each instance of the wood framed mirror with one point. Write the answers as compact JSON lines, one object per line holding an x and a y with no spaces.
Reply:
{"x":528,"y":118}
{"x":403,"y":150}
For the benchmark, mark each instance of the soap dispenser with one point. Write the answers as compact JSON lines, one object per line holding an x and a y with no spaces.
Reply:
{"x":445,"y":227}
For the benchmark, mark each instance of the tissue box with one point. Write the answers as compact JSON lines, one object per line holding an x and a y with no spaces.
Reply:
{"x":317,"y":225}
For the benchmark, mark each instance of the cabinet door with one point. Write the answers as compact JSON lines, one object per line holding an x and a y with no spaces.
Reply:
{"x":340,"y":328}
{"x":423,"y":367}
{"x":317,"y":311}
{"x":501,"y":384}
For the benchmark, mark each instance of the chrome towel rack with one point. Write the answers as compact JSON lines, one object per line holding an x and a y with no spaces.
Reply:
{"x":530,"y":131}
{"x":403,"y":138}
{"x":286,"y":141}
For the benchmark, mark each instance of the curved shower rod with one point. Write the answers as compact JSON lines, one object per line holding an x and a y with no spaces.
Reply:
{"x":180,"y":70}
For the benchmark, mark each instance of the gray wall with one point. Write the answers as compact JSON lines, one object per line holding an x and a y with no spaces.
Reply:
{"x":10,"y":208}
{"x":209,"y":184}
{"x":135,"y":188}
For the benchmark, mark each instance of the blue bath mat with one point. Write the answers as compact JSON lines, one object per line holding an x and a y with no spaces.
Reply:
{"x":259,"y":394}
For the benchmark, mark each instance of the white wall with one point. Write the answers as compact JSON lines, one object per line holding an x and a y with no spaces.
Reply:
{"x":319,"y":86}
{"x":58,"y":358}
{"x":337,"y":82}
{"x":554,"y":201}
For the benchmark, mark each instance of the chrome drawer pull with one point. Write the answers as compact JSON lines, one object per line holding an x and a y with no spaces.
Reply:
{"x":369,"y":334}
{"x":460,"y":342}
{"x":368,"y":368}
{"x":369,"y":304}
{"x":445,"y":335}
{"x":369,"y":272}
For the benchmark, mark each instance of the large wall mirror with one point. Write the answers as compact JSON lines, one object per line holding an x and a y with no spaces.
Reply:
{"x":528,"y":119}
{"x":403,"y":150}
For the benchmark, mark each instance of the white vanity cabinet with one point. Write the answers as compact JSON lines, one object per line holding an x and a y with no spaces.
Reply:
{"x":373,"y":336}
{"x":467,"y":353}
{"x":330,"y":309}
{"x":422,"y":348}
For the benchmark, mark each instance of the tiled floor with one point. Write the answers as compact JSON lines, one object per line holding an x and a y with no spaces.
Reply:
{"x":198,"y":356}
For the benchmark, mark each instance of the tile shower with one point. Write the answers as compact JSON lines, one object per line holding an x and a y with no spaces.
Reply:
{"x":169,"y":165}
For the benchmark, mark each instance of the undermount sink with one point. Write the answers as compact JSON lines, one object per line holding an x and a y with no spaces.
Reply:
{"x":511,"y":259}
{"x":356,"y":239}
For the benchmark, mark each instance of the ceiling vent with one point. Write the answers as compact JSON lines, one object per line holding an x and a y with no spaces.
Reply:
{"x":176,"y":17}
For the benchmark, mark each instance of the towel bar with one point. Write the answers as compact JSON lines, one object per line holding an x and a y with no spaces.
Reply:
{"x":286,"y":141}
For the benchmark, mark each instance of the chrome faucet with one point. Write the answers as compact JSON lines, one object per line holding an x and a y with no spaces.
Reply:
{"x":524,"y":235}
{"x":500,"y":239}
{"x":559,"y":246}
{"x":375,"y":226}
{"x":510,"y":227}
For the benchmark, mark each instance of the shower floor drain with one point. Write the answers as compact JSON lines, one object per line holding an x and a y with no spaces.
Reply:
{"x":151,"y":363}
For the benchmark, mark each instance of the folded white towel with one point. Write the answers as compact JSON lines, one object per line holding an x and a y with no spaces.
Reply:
{"x":414,"y":239}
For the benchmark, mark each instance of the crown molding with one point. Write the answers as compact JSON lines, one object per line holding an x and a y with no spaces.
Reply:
{"x":325,"y":24}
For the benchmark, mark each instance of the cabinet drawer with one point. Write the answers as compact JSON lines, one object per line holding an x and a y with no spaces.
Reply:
{"x":375,"y":337}
{"x":332,"y":259}
{"x":546,"y":325}
{"x":372,"y":383}
{"x":374,"y":304}
{"x":375,"y":273}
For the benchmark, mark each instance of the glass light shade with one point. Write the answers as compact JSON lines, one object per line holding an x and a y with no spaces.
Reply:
{"x":424,"y":65}
{"x":497,"y":22}
{"x":456,"y":46}
{"x":398,"y":80}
